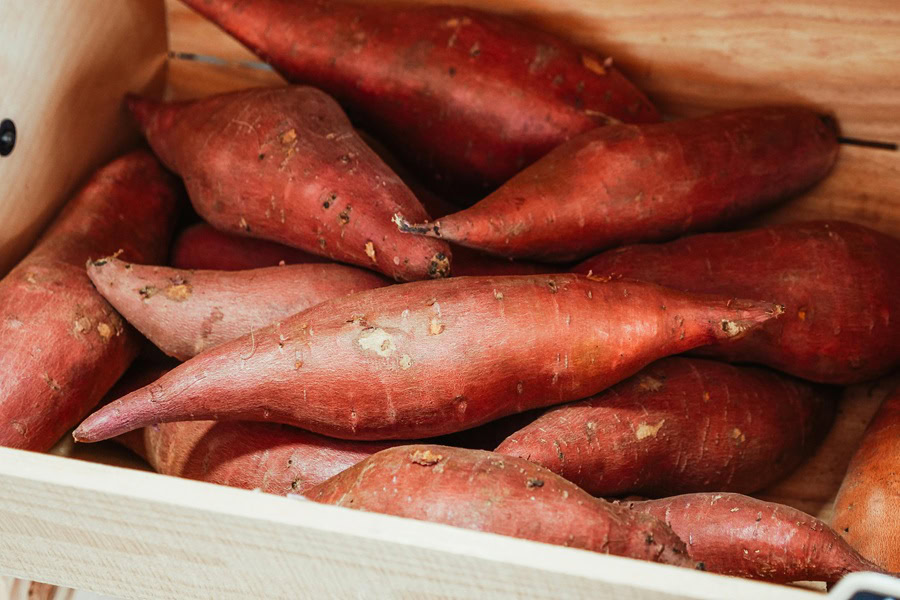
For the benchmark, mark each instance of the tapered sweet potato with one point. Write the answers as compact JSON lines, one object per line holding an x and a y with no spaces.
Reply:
{"x":61,"y":345}
{"x":631,"y":183}
{"x":838,"y":282}
{"x":285,"y":165}
{"x":468,"y":96}
{"x":273,"y":458}
{"x":188,"y":312}
{"x":680,"y":425}
{"x":201,"y":246}
{"x":867,"y":507}
{"x":498,"y":494}
{"x":737,"y":535}
{"x":435,"y":357}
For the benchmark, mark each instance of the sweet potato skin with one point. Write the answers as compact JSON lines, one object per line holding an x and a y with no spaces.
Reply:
{"x":436,"y":80}
{"x":634,"y":183}
{"x":738,"y":535}
{"x":276,"y":459}
{"x":62,"y":346}
{"x":867,"y":507}
{"x":837,"y":281}
{"x":284,"y":164}
{"x":680,"y":425}
{"x":485,"y":491}
{"x":200,"y":246}
{"x":434,"y":357}
{"x":188,"y":312}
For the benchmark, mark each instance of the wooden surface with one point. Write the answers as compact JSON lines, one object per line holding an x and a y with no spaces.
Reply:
{"x":692,"y":59}
{"x":142,"y":535}
{"x":63,"y":90}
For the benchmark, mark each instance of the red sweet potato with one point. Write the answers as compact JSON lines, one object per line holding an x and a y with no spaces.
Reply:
{"x":485,"y":491}
{"x":285,"y":165}
{"x":434,"y":357}
{"x":737,"y":535}
{"x":838,"y":282}
{"x":680,"y":425}
{"x":188,"y":312}
{"x":202,"y":247}
{"x":468,"y":96}
{"x":273,"y":458}
{"x":61,"y":345}
{"x":867,"y":507}
{"x":632,"y":183}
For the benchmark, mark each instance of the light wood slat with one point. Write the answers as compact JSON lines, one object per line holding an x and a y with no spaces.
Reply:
{"x":813,"y":486}
{"x":141,"y":535}
{"x":64,"y":73}
{"x":694,"y":57}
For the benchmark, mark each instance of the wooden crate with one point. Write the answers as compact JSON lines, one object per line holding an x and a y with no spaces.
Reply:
{"x":134,"y":534}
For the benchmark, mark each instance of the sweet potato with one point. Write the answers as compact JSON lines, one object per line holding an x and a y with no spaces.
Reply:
{"x":273,"y":458}
{"x":61,"y":345}
{"x":468,"y":96}
{"x":188,"y":312}
{"x":200,"y":246}
{"x":867,"y":507}
{"x":680,"y":425}
{"x":737,"y":535}
{"x":434,"y":357}
{"x":489,"y":492}
{"x":632,"y":183}
{"x":285,"y":165}
{"x":838,"y":282}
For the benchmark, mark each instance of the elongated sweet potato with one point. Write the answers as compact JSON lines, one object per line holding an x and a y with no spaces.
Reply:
{"x":632,"y":183}
{"x":273,"y":458}
{"x":867,"y":507}
{"x":61,"y":345}
{"x":838,"y":282}
{"x":429,"y":358}
{"x":188,"y":312}
{"x":738,"y":535}
{"x":285,"y":165}
{"x":201,"y":246}
{"x":489,"y":492}
{"x":468,"y":96}
{"x":680,"y":425}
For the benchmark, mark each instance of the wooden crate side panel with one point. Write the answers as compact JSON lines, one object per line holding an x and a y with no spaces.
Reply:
{"x":141,"y":535}
{"x":64,"y":74}
{"x":696,"y":57}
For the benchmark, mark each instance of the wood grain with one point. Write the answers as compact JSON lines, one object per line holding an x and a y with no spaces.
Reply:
{"x":696,"y":57}
{"x":64,"y":74}
{"x":142,"y":535}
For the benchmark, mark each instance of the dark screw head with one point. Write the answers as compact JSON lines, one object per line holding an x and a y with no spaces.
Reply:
{"x":7,"y":137}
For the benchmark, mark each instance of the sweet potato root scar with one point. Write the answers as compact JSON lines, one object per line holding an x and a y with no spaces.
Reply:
{"x":435,"y":327}
{"x":179,"y":292}
{"x":429,"y":229}
{"x":378,"y":341}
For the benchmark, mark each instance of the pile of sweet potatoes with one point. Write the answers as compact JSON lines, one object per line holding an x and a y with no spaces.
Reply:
{"x":332,"y":339}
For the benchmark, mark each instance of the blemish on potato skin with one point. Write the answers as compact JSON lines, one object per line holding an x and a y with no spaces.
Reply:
{"x":19,"y":428}
{"x":179,"y":292}
{"x":425,"y":458}
{"x":370,"y":251}
{"x":105,"y":331}
{"x":51,"y":383}
{"x":378,"y":341}
{"x":435,"y":327}
{"x":534,"y":482}
{"x":644,"y":430}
